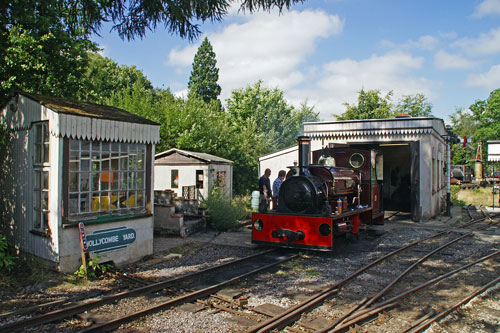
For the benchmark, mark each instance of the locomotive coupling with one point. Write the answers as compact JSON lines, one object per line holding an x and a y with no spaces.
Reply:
{"x":288,"y":234}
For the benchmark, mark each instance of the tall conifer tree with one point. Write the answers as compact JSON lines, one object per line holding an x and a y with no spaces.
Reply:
{"x":205,"y":74}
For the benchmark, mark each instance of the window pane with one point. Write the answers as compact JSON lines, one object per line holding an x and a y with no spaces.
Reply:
{"x":38,"y":153}
{"x":96,"y":162}
{"x":74,"y":145}
{"x":131,"y":180}
{"x":85,"y":163}
{"x":45,"y":153}
{"x":45,"y":200}
{"x":38,"y":200}
{"x":140,"y":162}
{"x":140,"y":180}
{"x":85,"y":145}
{"x":115,"y":146}
{"x":73,"y":182}
{"x":124,"y":163}
{"x":140,"y":199}
{"x":45,"y":221}
{"x":96,"y":204}
{"x":84,"y":181}
{"x":45,"y":180}
{"x":95,"y":181}
{"x":37,"y":223}
{"x":114,"y":162}
{"x":131,"y":199}
{"x":105,"y":201}
{"x":84,"y":203}
{"x":105,"y":146}
{"x":115,"y":180}
{"x":106,"y":178}
{"x":114,"y":200}
{"x":96,"y":146}
{"x":73,"y":166}
{"x":73,"y":203}
{"x":45,"y":130}
{"x":38,"y":133}
{"x":38,"y":180}
{"x":123,"y":180}
{"x":105,"y":162}
{"x":123,"y":200}
{"x":174,"y":179}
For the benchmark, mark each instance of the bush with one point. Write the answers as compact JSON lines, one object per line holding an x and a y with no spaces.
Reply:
{"x":223,"y":214}
{"x":6,"y":259}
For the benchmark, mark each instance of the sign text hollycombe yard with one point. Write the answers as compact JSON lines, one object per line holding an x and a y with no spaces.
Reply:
{"x":110,"y":239}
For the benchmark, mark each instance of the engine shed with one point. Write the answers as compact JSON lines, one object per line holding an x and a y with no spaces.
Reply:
{"x":414,"y":149}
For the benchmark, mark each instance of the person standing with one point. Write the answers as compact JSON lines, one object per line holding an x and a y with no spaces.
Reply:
{"x":265,"y":191}
{"x":276,"y":187}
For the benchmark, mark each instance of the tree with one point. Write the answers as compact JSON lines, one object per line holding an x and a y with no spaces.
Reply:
{"x":104,"y":77}
{"x":39,"y":55}
{"x":414,"y":105}
{"x":205,"y":74}
{"x":134,"y":18}
{"x":370,"y":106}
{"x":464,"y":123}
{"x":267,"y":109}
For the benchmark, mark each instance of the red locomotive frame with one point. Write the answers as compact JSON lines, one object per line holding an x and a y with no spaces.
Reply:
{"x":316,"y":227}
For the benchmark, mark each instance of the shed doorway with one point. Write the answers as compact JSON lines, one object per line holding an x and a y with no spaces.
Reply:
{"x":397,"y":189}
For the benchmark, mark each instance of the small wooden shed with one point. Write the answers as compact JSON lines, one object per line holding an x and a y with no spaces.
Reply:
{"x":79,"y":162}
{"x":192,"y":175}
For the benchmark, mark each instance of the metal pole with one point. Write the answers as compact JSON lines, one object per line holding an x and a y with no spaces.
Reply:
{"x":448,"y":175}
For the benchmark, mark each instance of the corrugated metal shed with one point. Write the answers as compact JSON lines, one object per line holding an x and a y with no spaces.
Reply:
{"x":80,"y":120}
{"x":184,"y":157}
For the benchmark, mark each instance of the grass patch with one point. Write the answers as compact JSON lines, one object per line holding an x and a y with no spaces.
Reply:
{"x":311,"y":272}
{"x":476,"y":197}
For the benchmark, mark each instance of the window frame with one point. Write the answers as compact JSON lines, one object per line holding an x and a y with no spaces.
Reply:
{"x":41,"y":177}
{"x":70,"y":216}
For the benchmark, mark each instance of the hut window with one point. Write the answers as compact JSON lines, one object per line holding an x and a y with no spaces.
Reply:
{"x":221,"y":178}
{"x":174,"y":178}
{"x":106,"y":177}
{"x":41,"y":170}
{"x":199,"y":178}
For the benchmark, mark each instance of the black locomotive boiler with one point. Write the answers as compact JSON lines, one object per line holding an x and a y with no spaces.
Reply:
{"x":320,"y":201}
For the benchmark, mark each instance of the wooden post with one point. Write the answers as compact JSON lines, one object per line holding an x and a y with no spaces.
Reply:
{"x":83,"y":246}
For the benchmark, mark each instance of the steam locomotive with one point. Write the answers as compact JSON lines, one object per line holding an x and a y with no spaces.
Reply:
{"x":319,"y":202}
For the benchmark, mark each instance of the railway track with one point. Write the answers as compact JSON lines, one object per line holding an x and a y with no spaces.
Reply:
{"x":394,"y":293}
{"x":242,"y":268}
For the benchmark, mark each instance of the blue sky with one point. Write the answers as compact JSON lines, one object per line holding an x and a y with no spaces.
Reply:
{"x":326,"y":51}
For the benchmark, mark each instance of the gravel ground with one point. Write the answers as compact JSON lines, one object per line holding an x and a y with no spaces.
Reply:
{"x":295,"y":281}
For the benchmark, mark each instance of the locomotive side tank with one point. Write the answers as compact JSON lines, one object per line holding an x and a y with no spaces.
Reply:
{"x":317,"y":202}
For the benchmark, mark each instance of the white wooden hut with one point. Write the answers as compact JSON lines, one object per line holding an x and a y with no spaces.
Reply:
{"x":192,"y":175}
{"x":79,"y":162}
{"x":414,"y":158}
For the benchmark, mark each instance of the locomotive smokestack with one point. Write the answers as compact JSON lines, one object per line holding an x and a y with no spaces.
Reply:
{"x":304,"y":151}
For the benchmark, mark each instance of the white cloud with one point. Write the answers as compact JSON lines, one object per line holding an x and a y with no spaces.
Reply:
{"x":426,"y":42}
{"x":488,"y":81}
{"x":487,"y":7}
{"x":485,"y":44}
{"x":445,"y":60}
{"x":266,"y":46}
{"x":344,"y":78}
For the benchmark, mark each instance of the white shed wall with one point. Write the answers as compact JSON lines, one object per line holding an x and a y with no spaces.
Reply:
{"x":187,"y":177}
{"x":277,"y":161}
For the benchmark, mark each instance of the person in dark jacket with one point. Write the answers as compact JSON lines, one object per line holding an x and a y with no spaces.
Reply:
{"x":265,"y":191}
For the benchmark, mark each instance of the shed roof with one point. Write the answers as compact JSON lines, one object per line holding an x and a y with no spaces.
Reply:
{"x":375,"y":127}
{"x":178,"y":156}
{"x":79,"y":120}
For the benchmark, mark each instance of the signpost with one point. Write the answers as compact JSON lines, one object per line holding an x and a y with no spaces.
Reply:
{"x":111,"y":239}
{"x":83,"y":246}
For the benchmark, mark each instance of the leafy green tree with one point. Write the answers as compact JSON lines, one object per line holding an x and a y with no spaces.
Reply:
{"x":104,"y":77}
{"x":267,"y":109}
{"x":205,"y":74}
{"x":464,"y":123}
{"x":370,"y":106}
{"x":134,"y":18}
{"x":488,"y":114}
{"x":414,"y":105}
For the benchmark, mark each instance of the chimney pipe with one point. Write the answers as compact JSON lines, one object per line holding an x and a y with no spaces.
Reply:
{"x":304,"y":152}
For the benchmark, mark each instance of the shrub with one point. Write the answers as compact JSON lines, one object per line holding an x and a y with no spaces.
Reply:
{"x":94,"y":269}
{"x":6,"y":259}
{"x":222,"y":213}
